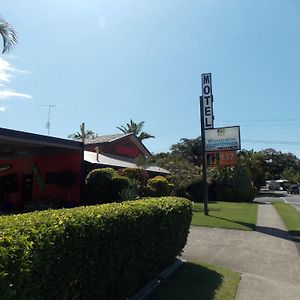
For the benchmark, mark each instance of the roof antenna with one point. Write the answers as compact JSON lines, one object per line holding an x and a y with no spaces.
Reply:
{"x":48,"y":124}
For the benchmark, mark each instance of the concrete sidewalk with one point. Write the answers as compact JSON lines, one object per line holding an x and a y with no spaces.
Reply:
{"x":268,"y":259}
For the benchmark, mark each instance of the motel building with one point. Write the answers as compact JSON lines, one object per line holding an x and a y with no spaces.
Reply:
{"x":39,"y":172}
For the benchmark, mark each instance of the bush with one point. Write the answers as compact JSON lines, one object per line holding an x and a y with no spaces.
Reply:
{"x":98,"y":185}
{"x":160,"y":184}
{"x":140,"y":175}
{"x":118,"y":184}
{"x":148,"y":191}
{"x":104,"y":186}
{"x":95,"y":252}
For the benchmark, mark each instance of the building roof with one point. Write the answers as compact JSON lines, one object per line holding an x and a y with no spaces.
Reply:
{"x":106,"y":138}
{"x":113,"y":161}
{"x":14,"y":143}
{"x":115,"y":137}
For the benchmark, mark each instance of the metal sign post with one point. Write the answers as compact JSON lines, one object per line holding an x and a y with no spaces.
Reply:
{"x":204,"y":169}
{"x":207,"y":122}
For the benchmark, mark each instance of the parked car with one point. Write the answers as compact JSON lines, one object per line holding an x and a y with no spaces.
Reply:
{"x":294,"y":189}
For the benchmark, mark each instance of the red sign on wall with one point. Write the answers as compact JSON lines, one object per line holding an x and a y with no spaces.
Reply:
{"x":128,"y":151}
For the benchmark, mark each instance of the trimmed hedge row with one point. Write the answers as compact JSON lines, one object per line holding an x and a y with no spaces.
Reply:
{"x":96,"y":252}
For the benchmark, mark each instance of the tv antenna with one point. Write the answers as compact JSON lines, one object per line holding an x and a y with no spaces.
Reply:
{"x":48,"y":124}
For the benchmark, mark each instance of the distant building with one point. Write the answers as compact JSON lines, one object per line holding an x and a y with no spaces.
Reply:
{"x":117,"y":151}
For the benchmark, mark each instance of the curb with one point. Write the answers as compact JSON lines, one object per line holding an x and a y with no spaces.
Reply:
{"x":148,"y":288}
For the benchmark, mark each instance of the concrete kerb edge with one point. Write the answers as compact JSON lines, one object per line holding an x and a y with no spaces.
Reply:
{"x":151,"y":286}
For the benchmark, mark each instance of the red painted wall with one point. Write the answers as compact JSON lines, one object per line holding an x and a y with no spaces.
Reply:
{"x":45,"y":163}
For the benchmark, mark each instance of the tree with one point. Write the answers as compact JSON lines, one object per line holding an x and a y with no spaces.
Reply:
{"x":253,"y":161}
{"x":83,"y":134}
{"x":291,"y":175}
{"x":183,"y":173}
{"x":275,"y":162}
{"x":189,"y":149}
{"x":8,"y":34}
{"x":136,"y":128}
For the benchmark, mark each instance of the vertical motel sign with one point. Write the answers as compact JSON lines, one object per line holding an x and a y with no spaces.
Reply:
{"x":207,"y":122}
{"x":207,"y":99}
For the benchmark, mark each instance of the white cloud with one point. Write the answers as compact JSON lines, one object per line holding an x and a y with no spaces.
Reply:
{"x":6,"y":73}
{"x":2,"y":109}
{"x":5,"y":70}
{"x":11,"y":93}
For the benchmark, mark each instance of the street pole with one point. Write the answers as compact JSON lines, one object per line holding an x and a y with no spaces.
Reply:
{"x":204,"y":168}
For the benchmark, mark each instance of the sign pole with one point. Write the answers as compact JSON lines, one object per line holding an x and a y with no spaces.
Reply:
{"x":204,"y":167}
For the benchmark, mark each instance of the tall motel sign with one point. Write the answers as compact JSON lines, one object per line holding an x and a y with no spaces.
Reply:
{"x":219,"y":145}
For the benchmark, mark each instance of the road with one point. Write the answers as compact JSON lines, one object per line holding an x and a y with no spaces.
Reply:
{"x":266,"y":196}
{"x":293,"y":199}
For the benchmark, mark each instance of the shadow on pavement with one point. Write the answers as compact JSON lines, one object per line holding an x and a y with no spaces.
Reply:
{"x":276,"y":232}
{"x":190,"y":281}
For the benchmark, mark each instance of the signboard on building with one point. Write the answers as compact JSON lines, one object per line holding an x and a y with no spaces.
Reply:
{"x":207,"y":100}
{"x":221,"y":158}
{"x":223,"y":138}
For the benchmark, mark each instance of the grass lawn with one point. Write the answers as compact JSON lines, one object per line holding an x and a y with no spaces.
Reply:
{"x":228,"y":215}
{"x":197,"y":281}
{"x":290,"y":216}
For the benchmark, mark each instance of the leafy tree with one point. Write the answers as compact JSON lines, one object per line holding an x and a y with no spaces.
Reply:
{"x":253,"y":161}
{"x":136,"y":128}
{"x":275,"y":162}
{"x":291,"y":175}
{"x":183,"y":173}
{"x":8,"y":34}
{"x":232,"y":184}
{"x":189,"y":149}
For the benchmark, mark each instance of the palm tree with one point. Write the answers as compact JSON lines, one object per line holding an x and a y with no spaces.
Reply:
{"x":83,"y":134}
{"x":136,"y":128}
{"x":8,"y":34}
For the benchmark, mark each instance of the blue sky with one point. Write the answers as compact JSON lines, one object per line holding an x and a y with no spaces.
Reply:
{"x":105,"y":62}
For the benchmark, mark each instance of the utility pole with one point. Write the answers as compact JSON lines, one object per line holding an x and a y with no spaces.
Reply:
{"x":48,"y":124}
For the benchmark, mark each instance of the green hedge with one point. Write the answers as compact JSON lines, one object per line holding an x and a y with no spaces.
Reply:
{"x":96,"y":252}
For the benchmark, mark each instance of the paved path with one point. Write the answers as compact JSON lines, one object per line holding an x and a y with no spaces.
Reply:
{"x":268,"y":260}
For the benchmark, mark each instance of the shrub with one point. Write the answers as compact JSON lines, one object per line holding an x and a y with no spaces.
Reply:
{"x":148,"y":191}
{"x":140,"y":175}
{"x":98,"y":186}
{"x":160,"y":184}
{"x":129,"y":193}
{"x":95,"y":252}
{"x":118,"y":184}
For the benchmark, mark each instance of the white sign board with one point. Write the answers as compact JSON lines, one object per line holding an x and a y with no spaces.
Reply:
{"x":224,"y":138}
{"x":207,"y":99}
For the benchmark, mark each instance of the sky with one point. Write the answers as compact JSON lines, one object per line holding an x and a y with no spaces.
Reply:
{"x":104,"y":62}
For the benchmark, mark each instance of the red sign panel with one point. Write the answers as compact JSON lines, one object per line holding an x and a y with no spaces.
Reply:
{"x":221,"y":158}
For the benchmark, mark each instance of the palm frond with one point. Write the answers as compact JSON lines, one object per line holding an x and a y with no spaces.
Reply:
{"x":9,"y":36}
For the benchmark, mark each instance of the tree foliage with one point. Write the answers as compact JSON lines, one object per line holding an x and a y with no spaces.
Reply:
{"x":83,"y":134}
{"x":183,"y":173}
{"x":8,"y":34}
{"x":275,"y":162}
{"x":137,"y":129}
{"x":189,"y":149}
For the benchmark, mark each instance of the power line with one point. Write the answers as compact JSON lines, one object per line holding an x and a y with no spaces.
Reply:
{"x":260,"y":120}
{"x":271,"y":142}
